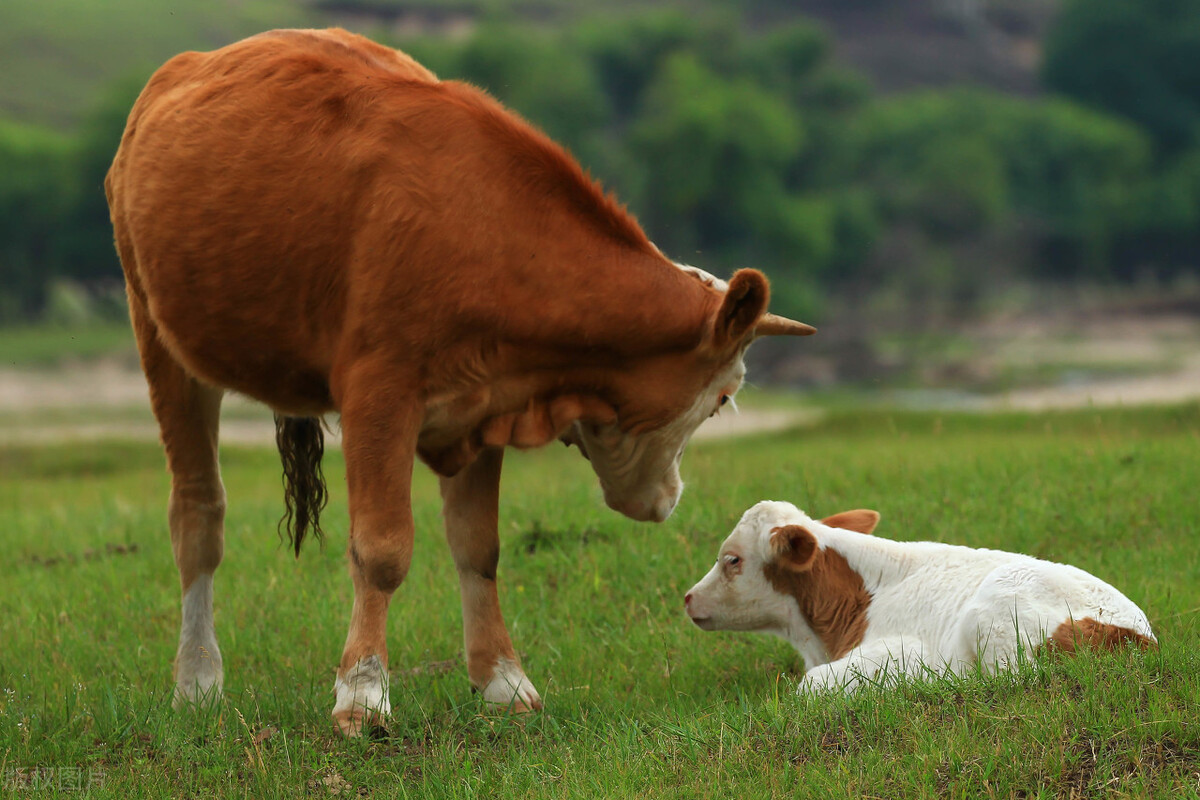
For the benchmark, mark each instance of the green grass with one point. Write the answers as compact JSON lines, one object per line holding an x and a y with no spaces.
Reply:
{"x":46,"y":345}
{"x":639,"y":703}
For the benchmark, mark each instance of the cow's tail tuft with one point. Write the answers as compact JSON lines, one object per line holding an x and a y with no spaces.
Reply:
{"x":301,"y":444}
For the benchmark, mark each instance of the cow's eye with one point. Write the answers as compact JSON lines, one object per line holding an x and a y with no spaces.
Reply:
{"x":724,"y":399}
{"x":732,"y":560}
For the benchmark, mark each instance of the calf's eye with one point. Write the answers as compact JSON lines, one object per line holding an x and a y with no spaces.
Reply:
{"x":724,"y":399}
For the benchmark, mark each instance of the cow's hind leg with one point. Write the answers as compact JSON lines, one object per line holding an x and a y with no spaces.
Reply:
{"x":188,"y":413}
{"x":470,"y":502}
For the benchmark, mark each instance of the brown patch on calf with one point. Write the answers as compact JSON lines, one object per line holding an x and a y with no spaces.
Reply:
{"x":830,"y":594}
{"x":1073,"y":634}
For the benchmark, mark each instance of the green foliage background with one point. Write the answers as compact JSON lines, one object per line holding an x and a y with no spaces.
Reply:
{"x":736,"y":137}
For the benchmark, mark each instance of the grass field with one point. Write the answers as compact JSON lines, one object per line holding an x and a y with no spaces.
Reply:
{"x":45,"y":346}
{"x":639,"y":703}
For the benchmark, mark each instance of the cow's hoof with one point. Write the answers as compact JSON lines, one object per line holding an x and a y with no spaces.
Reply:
{"x":358,"y":722}
{"x":362,"y":698}
{"x":198,"y":677}
{"x":197,"y":694}
{"x":509,"y":690}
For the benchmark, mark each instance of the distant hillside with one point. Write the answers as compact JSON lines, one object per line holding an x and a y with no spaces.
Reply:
{"x":905,"y":44}
{"x":898,"y":44}
{"x":55,"y":55}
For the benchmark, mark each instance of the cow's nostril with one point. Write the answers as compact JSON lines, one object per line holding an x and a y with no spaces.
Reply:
{"x":687,"y":599}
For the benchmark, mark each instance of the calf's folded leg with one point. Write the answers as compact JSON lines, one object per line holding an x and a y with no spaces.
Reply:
{"x":880,"y":661}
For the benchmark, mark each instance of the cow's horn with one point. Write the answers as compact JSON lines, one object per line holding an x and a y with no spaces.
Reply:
{"x":775,"y":325}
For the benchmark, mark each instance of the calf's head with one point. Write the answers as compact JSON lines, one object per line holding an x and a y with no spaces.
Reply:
{"x":774,"y":574}
{"x":637,"y":456}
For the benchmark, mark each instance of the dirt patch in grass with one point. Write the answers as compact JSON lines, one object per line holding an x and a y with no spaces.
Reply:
{"x":110,"y":550}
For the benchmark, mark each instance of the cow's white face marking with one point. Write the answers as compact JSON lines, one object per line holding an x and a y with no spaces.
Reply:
{"x":198,"y":669}
{"x":639,"y":473}
{"x":707,"y":278}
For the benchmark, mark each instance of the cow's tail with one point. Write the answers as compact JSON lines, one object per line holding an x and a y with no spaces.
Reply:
{"x":301,"y":444}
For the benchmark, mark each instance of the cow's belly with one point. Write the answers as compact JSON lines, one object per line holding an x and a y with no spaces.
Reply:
{"x":251,"y":360}
{"x":237,"y":331}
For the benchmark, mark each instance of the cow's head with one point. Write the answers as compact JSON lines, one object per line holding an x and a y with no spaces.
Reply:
{"x":637,"y":456}
{"x":776,"y":574}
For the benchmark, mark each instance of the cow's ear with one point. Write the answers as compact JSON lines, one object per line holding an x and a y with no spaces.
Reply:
{"x":794,"y":547}
{"x":744,"y":304}
{"x":862,"y":520}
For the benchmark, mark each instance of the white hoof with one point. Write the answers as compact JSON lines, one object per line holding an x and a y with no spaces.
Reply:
{"x":198,"y":672}
{"x":362,"y":697}
{"x":510,"y":690}
{"x":198,"y":688}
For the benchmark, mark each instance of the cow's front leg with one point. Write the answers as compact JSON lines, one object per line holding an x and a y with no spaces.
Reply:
{"x":881,"y":663}
{"x":379,"y":440}
{"x":470,"y":505}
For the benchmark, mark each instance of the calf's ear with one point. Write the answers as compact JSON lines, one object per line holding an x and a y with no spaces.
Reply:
{"x":744,"y":305}
{"x":794,"y":546}
{"x":862,"y":520}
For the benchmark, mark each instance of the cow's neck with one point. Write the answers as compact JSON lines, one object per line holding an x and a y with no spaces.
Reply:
{"x":593,"y":300}
{"x":563,"y":264}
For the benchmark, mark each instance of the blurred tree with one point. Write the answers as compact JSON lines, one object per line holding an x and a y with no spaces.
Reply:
{"x":85,"y":249}
{"x":959,"y":164}
{"x":714,"y":150}
{"x":1077,"y":175}
{"x":1139,"y":59}
{"x":33,"y":174}
{"x":1161,"y":235}
{"x":627,"y":52}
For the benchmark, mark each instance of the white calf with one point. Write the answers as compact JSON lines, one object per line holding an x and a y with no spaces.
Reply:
{"x":858,"y":607}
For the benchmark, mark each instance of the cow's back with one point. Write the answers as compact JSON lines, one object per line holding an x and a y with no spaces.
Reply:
{"x":238,"y":196}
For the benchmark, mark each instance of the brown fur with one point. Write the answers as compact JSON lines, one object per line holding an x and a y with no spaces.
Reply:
{"x":1072,"y":635}
{"x":318,"y":222}
{"x":831,"y":596}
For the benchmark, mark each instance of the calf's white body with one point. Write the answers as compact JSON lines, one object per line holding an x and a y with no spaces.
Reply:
{"x":858,"y":607}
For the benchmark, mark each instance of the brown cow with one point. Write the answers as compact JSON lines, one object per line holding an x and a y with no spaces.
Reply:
{"x":318,"y":222}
